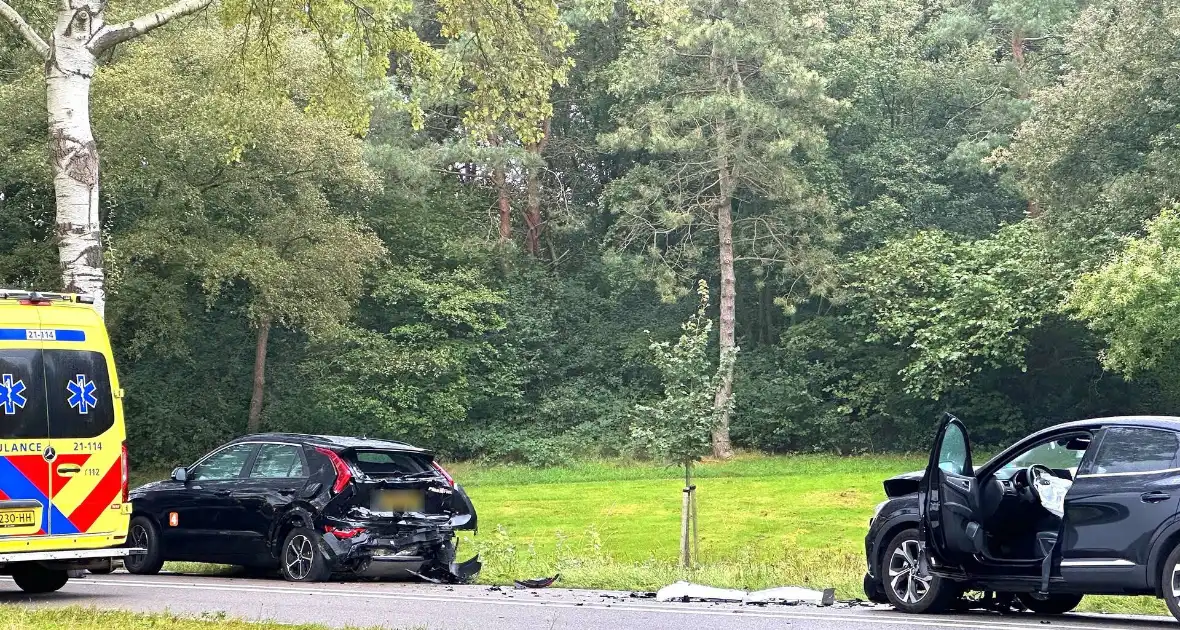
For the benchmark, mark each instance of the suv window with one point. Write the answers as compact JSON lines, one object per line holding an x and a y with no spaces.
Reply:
{"x":225,"y":464}
{"x":1135,"y":450}
{"x":78,"y":388}
{"x":278,"y":461}
{"x":22,"y":395}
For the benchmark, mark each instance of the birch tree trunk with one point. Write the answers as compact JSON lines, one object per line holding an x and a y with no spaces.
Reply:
{"x":73,"y":154}
{"x":80,"y":35}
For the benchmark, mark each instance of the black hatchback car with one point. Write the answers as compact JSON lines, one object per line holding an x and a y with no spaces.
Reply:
{"x":309,"y":506}
{"x":1082,"y":508}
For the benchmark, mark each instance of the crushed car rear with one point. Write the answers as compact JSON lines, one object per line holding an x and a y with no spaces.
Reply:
{"x":395,"y":513}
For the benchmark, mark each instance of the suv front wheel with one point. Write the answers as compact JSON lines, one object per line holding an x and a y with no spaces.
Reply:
{"x":906,"y":589}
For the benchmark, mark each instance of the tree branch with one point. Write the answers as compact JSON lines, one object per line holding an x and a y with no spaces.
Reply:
{"x":110,"y":35}
{"x":26,"y":31}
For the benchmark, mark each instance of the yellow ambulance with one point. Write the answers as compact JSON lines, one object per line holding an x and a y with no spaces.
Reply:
{"x":63,"y":449}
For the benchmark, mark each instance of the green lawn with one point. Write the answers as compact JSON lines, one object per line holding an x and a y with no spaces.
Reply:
{"x":765,"y":521}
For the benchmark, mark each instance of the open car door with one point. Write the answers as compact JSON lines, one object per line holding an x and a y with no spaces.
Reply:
{"x":948,"y":499}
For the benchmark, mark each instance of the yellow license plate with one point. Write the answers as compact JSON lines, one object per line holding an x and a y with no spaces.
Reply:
{"x":17,"y":518}
{"x":398,"y":501}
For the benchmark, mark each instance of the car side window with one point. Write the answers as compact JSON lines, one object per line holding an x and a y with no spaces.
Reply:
{"x":278,"y":461}
{"x":952,"y":453}
{"x":225,"y":464}
{"x":1136,"y":450}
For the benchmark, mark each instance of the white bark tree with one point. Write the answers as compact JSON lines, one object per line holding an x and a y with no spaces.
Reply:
{"x":79,"y":36}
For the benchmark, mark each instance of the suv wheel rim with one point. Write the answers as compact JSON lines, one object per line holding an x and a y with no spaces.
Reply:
{"x":1176,"y":581}
{"x":299,"y":557}
{"x":907,"y":585}
{"x":139,"y":539}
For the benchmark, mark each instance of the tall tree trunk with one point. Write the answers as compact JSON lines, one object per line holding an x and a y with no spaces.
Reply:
{"x":505,"y":205}
{"x":73,"y":155}
{"x":80,"y":35}
{"x":532,"y":214}
{"x":721,"y":444}
{"x":254,"y":423}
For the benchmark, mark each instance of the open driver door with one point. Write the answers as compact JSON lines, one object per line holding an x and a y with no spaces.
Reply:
{"x":948,"y":499}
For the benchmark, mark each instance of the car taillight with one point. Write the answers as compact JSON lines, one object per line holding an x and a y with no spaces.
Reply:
{"x":446,"y":475}
{"x":344,"y":533}
{"x":126,"y":473}
{"x":343,"y":472}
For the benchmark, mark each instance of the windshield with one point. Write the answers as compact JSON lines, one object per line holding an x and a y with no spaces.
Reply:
{"x":1065,"y":454}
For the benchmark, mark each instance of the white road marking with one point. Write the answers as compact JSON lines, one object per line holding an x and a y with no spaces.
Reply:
{"x":981,"y":624}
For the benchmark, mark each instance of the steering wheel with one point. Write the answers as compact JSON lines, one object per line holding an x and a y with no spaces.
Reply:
{"x":1038,"y":475}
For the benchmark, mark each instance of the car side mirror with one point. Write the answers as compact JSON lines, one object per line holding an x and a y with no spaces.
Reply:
{"x":180,"y":474}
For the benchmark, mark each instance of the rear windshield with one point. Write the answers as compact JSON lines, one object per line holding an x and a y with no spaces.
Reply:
{"x":377,"y":463}
{"x":54,"y":393}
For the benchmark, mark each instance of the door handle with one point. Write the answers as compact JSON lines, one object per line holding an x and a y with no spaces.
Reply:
{"x":1154,"y":497}
{"x":221,"y":493}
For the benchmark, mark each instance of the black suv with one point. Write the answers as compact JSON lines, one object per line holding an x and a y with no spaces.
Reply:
{"x":309,"y":506}
{"x":1083,"y":508}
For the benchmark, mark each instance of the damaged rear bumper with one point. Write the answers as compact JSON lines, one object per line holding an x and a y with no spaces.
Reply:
{"x":426,"y":550}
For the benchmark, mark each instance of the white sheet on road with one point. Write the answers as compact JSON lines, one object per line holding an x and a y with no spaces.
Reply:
{"x":782,"y":594}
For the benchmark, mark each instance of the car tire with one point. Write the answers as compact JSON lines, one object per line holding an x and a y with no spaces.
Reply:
{"x":904,"y":589}
{"x":301,"y":558}
{"x":144,"y":534}
{"x":1170,"y":582}
{"x":1049,"y":604}
{"x":36,"y":579}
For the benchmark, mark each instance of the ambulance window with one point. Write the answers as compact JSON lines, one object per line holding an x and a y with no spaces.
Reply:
{"x":22,"y":395}
{"x":78,"y":389}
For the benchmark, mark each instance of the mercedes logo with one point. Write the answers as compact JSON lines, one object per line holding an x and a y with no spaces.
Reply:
{"x":49,"y":454}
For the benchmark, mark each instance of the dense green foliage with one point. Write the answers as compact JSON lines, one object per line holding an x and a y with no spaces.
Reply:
{"x":936,"y":205}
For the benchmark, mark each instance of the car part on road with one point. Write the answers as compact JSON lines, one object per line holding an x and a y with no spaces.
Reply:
{"x":686,"y":592}
{"x":537,"y":583}
{"x":791,"y":595}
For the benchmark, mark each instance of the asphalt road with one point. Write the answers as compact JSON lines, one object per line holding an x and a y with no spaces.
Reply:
{"x":398,"y":605}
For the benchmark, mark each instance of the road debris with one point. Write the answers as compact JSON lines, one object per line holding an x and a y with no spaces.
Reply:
{"x":787,"y":595}
{"x":537,"y":583}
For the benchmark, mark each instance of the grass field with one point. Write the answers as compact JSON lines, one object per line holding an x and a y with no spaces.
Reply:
{"x":765,"y":521}
{"x":24,"y":618}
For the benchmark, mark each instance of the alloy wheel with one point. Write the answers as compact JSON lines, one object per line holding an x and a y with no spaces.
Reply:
{"x":1176,"y":581}
{"x":140,"y":540}
{"x":907,"y":585}
{"x":298,"y":557}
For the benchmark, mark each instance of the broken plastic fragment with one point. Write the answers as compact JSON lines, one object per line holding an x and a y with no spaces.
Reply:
{"x":684,"y":591}
{"x":784,"y":594}
{"x":537,"y":583}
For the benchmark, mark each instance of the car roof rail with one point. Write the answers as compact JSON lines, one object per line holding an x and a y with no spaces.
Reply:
{"x":44,"y":296}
